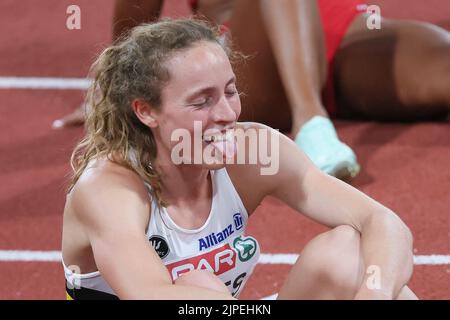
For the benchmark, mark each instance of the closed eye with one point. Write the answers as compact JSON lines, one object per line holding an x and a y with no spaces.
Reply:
{"x":202,"y":103}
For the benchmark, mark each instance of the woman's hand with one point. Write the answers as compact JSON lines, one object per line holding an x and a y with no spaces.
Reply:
{"x":203,"y":279}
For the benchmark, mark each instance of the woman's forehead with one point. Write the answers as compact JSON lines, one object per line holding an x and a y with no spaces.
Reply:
{"x":205,"y":59}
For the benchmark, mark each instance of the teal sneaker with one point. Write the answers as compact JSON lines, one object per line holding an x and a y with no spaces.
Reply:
{"x":319,"y":140}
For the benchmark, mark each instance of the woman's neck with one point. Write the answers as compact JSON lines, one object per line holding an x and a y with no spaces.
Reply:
{"x":182,"y":183}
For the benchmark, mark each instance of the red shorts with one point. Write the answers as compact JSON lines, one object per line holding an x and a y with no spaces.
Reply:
{"x":336,"y":16}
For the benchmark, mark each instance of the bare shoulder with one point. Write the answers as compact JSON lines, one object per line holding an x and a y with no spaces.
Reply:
{"x":107,"y":173}
{"x":266,"y":162}
{"x":250,"y":136}
{"x":255,"y":163}
{"x":105,"y":191}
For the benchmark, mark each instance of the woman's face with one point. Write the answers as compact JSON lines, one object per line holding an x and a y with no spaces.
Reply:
{"x":202,"y":100}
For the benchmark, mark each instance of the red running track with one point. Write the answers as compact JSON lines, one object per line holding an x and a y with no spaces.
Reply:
{"x":405,"y":166}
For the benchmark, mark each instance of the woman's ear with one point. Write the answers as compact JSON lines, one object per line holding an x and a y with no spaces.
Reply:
{"x":145,"y":113}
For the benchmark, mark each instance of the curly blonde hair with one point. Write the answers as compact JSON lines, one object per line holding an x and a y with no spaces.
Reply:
{"x":133,"y":68}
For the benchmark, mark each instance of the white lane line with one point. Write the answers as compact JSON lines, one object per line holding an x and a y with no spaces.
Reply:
{"x":281,"y":258}
{"x":26,"y":255}
{"x":278,"y":258}
{"x":434,"y":259}
{"x":42,"y":83}
{"x":265,"y":258}
{"x":271,"y":297}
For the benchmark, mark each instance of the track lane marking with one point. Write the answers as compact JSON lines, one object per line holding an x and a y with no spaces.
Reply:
{"x":44,"y":83}
{"x":265,"y":258}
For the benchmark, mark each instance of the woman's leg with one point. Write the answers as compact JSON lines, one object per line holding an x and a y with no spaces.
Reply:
{"x":128,"y":14}
{"x":330,"y":267}
{"x":264,"y":98}
{"x":400,"y":72}
{"x":287,"y":70}
{"x":75,"y":118}
{"x":284,"y":77}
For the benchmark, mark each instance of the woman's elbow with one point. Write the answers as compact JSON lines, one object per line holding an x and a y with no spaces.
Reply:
{"x":406,"y":238}
{"x":403,"y":229}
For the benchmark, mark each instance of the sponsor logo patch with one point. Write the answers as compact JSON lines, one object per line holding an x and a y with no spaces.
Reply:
{"x":238,"y":222}
{"x":218,"y":261}
{"x":215,"y":238}
{"x":245,"y":247}
{"x":160,"y":245}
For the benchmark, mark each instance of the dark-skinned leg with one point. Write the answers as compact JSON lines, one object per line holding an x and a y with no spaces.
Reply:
{"x":128,"y":14}
{"x":399,"y":73}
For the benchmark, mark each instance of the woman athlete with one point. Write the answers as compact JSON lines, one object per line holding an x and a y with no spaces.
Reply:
{"x":141,"y":224}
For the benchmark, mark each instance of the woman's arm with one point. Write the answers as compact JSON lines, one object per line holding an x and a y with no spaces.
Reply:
{"x":113,"y":208}
{"x":386,"y":240}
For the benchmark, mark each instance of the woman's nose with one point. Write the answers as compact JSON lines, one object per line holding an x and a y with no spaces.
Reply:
{"x":223,"y":111}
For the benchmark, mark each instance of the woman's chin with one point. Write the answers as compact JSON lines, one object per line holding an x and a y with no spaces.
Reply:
{"x":215,"y":166}
{"x":215,"y":163}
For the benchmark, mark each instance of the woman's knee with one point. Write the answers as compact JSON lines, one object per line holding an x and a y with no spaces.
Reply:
{"x":334,"y":258}
{"x":201,"y":278}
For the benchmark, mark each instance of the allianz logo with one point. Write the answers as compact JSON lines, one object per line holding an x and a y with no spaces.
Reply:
{"x":216,"y":238}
